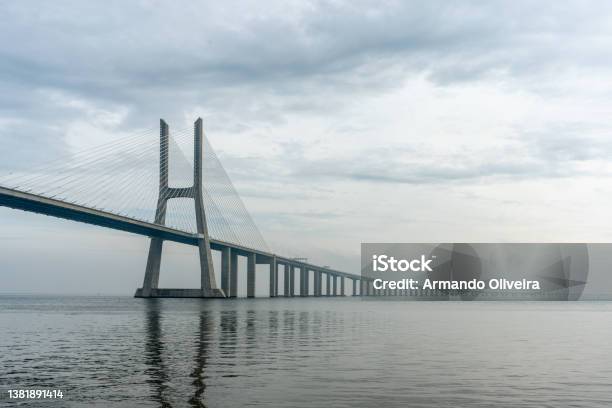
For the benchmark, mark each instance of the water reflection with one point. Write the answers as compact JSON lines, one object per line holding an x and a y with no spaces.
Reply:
{"x":157,"y":373}
{"x":217,"y":331}
{"x":119,"y":352}
{"x":228,"y":338}
{"x":200,"y":362}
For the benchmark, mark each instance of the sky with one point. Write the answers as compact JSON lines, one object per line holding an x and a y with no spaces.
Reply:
{"x":339,"y":122}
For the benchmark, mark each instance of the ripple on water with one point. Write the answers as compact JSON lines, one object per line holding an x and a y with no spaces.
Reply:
{"x":119,"y":351}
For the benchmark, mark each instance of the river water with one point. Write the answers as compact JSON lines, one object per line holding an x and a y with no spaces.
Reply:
{"x":340,"y":352}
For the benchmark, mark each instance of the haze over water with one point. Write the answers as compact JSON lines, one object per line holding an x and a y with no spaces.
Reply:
{"x":121,"y":352}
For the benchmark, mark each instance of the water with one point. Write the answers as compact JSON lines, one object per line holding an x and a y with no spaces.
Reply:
{"x":124,"y":352}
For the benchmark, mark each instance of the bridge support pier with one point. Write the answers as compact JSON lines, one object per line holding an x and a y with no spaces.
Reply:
{"x":226,"y":266}
{"x":342,"y":279}
{"x":208,"y":285}
{"x":291,"y":280}
{"x":273,"y":277}
{"x":303,"y":282}
{"x":151,"y":279}
{"x":251,"y":267}
{"x":328,"y":288}
{"x":233,"y":292}
{"x":335,"y":286}
{"x":314,"y":283}
{"x":286,"y":283}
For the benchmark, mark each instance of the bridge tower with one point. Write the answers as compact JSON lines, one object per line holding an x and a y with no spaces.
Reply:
{"x":208,"y":286}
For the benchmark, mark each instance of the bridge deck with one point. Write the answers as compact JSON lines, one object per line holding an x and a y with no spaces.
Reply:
{"x":49,"y":206}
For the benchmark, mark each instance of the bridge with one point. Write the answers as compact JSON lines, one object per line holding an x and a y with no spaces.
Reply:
{"x":110,"y":186}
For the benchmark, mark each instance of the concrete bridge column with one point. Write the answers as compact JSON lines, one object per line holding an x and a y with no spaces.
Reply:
{"x":251,"y":266}
{"x":319,"y":275}
{"x":286,"y":282}
{"x":302,"y":279}
{"x":208,"y":284}
{"x":342,"y":279}
{"x":314,"y":282}
{"x":151,"y":278}
{"x":233,"y":280}
{"x":273,"y":277}
{"x":335,"y":286}
{"x":328,"y":288}
{"x":291,"y":280}
{"x":306,"y":280}
{"x":226,"y":260}
{"x":320,"y":283}
{"x":354,"y":287}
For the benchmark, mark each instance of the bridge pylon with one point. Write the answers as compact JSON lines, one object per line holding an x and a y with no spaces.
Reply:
{"x":208,"y":285}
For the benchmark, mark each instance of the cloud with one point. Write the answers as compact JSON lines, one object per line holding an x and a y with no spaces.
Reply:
{"x":319,"y":108}
{"x":156,"y":57}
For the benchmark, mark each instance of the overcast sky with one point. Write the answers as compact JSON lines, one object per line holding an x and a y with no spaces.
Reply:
{"x":339,"y":122}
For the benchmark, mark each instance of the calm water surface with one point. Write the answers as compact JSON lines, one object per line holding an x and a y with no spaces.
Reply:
{"x":124,"y":352}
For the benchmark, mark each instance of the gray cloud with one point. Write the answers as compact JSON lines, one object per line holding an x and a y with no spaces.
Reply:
{"x":296,"y":85}
{"x":154,"y":58}
{"x":158,"y":60}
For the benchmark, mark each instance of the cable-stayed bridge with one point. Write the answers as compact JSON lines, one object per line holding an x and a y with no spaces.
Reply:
{"x":153,"y":187}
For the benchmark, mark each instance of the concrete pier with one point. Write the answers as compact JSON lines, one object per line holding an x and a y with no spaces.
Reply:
{"x":306,"y":282}
{"x":286,"y":282}
{"x":208,"y":285}
{"x":226,"y":275}
{"x":320,"y":288}
{"x":291,"y":280}
{"x":251,"y":269}
{"x":233,"y":274}
{"x":273,"y":277}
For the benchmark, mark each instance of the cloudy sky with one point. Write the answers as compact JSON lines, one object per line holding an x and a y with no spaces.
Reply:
{"x":339,"y":122}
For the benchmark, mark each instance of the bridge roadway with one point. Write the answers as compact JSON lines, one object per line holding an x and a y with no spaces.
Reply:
{"x":57,"y":208}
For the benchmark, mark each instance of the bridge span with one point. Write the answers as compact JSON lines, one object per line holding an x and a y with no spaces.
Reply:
{"x":294,"y":270}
